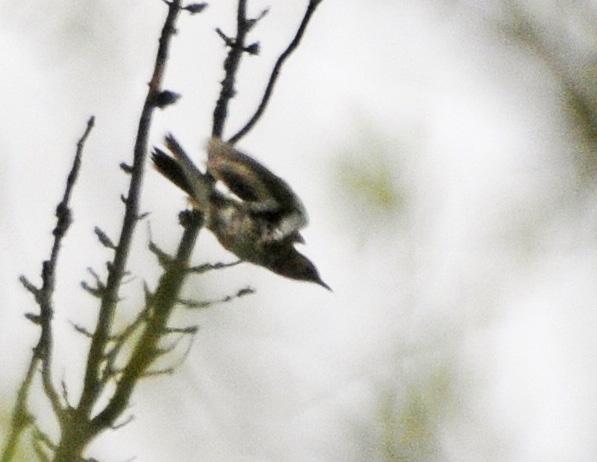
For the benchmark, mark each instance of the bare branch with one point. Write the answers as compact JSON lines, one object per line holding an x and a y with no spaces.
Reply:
{"x":191,"y":330}
{"x":147,"y":293}
{"x":110,"y":296}
{"x":164,"y":259}
{"x":231,"y":64}
{"x":97,"y":292}
{"x":29,"y":286}
{"x":162,"y":304}
{"x":43,"y":297}
{"x":192,"y":304}
{"x":276,"y":72}
{"x":126,"y":168}
{"x":170,"y":370}
{"x":98,"y":281}
{"x":124,"y":423}
{"x":120,"y":340}
{"x":65,"y":393}
{"x":44,"y":438}
{"x":200,"y":269}
{"x":229,"y":42}
{"x":81,"y":330}
{"x":253,"y":21}
{"x":103,"y":238}
{"x":40,"y":452}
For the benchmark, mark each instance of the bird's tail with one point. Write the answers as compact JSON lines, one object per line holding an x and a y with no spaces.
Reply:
{"x":181,"y":171}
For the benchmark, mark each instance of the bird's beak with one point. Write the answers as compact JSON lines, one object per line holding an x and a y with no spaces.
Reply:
{"x":323,"y":284}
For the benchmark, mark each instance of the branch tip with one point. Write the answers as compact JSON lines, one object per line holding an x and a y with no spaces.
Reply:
{"x":164,"y":259}
{"x":97,"y":292}
{"x":126,"y":168}
{"x":34,"y":318}
{"x":250,"y":23}
{"x":124,"y":423}
{"x":294,"y":43}
{"x":103,"y":238}
{"x":30,"y":287}
{"x":212,"y":266}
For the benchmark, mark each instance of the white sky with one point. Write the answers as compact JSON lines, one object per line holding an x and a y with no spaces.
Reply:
{"x":490,"y":280}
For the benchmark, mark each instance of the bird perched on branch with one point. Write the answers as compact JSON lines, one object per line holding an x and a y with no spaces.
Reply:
{"x":261,"y":224}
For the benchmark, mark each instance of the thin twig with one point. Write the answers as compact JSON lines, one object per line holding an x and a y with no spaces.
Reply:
{"x":196,"y":304}
{"x":231,"y":64}
{"x":64,"y":218}
{"x":205,"y":267}
{"x":119,"y":342}
{"x":44,"y":438}
{"x":276,"y":72}
{"x":43,"y":296}
{"x":175,"y":366}
{"x":124,"y":423}
{"x":191,"y":330}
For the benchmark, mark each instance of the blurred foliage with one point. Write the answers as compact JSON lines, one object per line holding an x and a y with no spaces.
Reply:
{"x":24,"y":452}
{"x":566,"y":42}
{"x":410,"y":418}
{"x":369,"y":181}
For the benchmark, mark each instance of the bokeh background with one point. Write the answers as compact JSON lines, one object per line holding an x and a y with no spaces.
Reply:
{"x":446,"y":152}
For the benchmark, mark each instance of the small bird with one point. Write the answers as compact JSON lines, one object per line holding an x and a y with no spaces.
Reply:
{"x":259,"y":222}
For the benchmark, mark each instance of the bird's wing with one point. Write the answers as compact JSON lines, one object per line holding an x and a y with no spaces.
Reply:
{"x":252,"y":181}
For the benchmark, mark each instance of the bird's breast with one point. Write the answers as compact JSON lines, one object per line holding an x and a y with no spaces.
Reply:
{"x":237,"y":231}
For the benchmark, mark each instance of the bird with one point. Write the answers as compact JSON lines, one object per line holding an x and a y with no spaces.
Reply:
{"x":260,"y":217}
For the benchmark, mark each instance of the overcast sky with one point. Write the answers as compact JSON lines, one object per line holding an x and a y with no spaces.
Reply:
{"x":467,"y":287}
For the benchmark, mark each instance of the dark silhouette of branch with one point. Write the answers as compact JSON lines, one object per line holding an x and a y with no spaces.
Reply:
{"x":200,"y":304}
{"x":276,"y":72}
{"x":42,"y":353}
{"x":92,"y":385}
{"x":205,"y":267}
{"x":163,"y":302}
{"x":231,"y":64}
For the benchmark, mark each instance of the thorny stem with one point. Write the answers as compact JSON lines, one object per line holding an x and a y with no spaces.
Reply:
{"x":43,"y":350}
{"x":276,"y":72}
{"x":92,"y":384}
{"x":64,"y":218}
{"x":163,"y":302}
{"x":231,"y":64}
